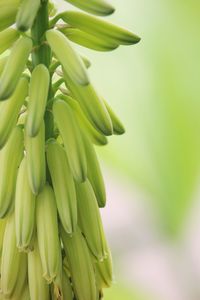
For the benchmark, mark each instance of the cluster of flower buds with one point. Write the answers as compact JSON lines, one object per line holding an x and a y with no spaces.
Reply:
{"x":52,"y":241}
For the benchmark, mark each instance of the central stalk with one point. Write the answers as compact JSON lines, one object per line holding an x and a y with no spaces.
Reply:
{"x":42,"y":55}
{"x":42,"y":52}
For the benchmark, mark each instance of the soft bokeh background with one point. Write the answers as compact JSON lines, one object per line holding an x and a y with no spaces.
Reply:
{"x":152,"y":218}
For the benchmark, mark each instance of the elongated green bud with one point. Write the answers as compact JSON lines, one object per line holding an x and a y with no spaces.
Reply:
{"x":72,"y":139}
{"x":70,"y":61}
{"x":57,"y":289}
{"x":21,"y":279}
{"x":66,"y":266}
{"x":7,"y":38}
{"x":56,"y":64}
{"x":95,"y":136}
{"x":10,"y":109}
{"x":104,"y":271}
{"x":94,"y":173}
{"x":77,"y":251}
{"x":10,"y":158}
{"x":90,"y":220}
{"x":87,"y":40}
{"x":92,"y":105}
{"x":36,"y":165}
{"x":25,"y":295}
{"x":47,"y":234}
{"x":24,"y":209}
{"x":8,"y":11}
{"x":3,"y":61}
{"x":2,"y":230}
{"x":100,"y":28}
{"x":39,"y":289}
{"x":97,"y":7}
{"x":11,"y":259}
{"x":14,"y":67}
{"x":63,"y":185}
{"x":118,"y":127}
{"x":26,"y":14}
{"x":38,"y":93}
{"x":66,"y":285}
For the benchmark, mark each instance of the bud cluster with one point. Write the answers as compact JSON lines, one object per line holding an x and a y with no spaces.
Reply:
{"x":52,"y":241}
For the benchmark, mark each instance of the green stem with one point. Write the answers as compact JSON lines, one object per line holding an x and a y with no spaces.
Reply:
{"x":42,"y":55}
{"x":56,"y":85}
{"x":42,"y":52}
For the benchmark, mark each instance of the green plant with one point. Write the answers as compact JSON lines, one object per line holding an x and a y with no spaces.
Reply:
{"x":53,"y":244}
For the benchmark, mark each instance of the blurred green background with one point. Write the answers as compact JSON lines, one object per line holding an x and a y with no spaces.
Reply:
{"x":152,"y":172}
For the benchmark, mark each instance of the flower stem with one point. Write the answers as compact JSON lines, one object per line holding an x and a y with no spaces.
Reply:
{"x":42,"y":53}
